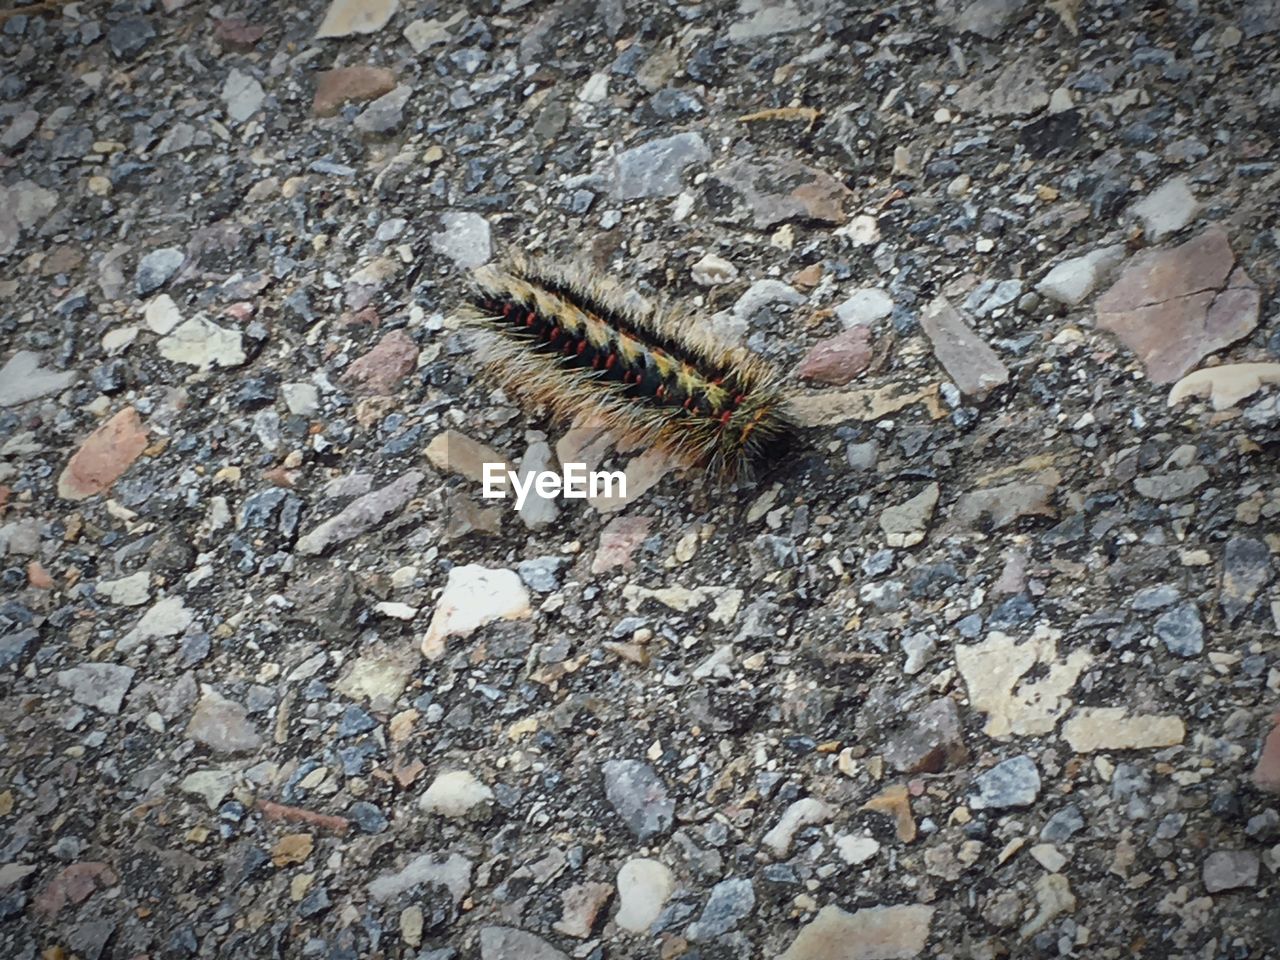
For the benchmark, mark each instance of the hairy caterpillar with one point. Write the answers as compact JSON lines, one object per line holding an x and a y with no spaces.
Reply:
{"x":559,"y":337}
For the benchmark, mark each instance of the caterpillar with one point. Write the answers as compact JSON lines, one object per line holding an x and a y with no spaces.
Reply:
{"x":654,"y":377}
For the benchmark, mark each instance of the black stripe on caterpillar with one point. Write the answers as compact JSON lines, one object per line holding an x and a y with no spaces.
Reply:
{"x":581,"y":346}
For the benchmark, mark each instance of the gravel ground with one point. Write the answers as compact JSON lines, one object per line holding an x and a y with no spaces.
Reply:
{"x":988,"y":669}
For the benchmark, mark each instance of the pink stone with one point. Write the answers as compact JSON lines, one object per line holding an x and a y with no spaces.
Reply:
{"x":343,"y":85}
{"x":1176,"y":305}
{"x":618,"y":540}
{"x":971,"y":363}
{"x":1266,"y":775}
{"x":104,"y":457}
{"x":381,"y":370}
{"x":74,"y":885}
{"x":838,"y":359}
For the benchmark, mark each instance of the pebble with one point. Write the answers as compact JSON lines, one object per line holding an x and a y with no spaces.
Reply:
{"x":619,"y":540}
{"x":1181,"y":630}
{"x":1011,"y":783}
{"x":712,"y":270}
{"x":730,"y":903}
{"x":865,"y":307}
{"x":243,"y":96}
{"x":98,"y":685}
{"x":974,"y":366}
{"x":386,"y":113}
{"x":1108,"y":728}
{"x":362,"y":514}
{"x":774,"y":190}
{"x":345,"y":18}
{"x":302,"y":399}
{"x":474,"y":596}
{"x":1246,"y":569}
{"x":905,"y":525}
{"x":839,"y":359}
{"x":131,"y":591}
{"x":463,"y":239}
{"x":638,"y":797}
{"x":870,"y":933}
{"x":162,"y":314}
{"x":203,"y":344}
{"x":104,"y":456}
{"x":222,"y":725}
{"x":931,"y":740}
{"x":1172,"y":484}
{"x":856,"y":850}
{"x":156,"y":269}
{"x":802,"y":813}
{"x":211,"y":785}
{"x":582,"y":904}
{"x":1230,"y":870}
{"x":1168,"y":209}
{"x":23,"y":379}
{"x":537,"y":512}
{"x":382,"y":371}
{"x":508,"y":943}
{"x":342,"y":85}
{"x":656,"y":168}
{"x":456,"y":794}
{"x":451,"y":871}
{"x":644,"y":887}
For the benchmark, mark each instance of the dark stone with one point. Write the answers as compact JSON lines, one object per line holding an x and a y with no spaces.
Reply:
{"x":130,"y":36}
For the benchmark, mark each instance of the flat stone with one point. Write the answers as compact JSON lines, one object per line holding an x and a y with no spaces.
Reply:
{"x":931,"y":740}
{"x":242,"y":95}
{"x":203,"y":344}
{"x":131,"y":591}
{"x":1266,"y":772}
{"x":73,"y":885}
{"x":1246,"y":569}
{"x":905,"y":525}
{"x":644,"y":887}
{"x":1017,"y":90}
{"x":1181,"y":630}
{"x":424,"y":34}
{"x":451,"y":871}
{"x":872,"y":933}
{"x":1072,"y":281}
{"x":537,"y":512}
{"x":98,"y":685}
{"x":801,"y":813}
{"x":156,"y":269}
{"x":656,"y":168}
{"x":639,"y":797}
{"x":22,"y":379}
{"x":767,"y":20}
{"x":379,"y":674}
{"x":581,"y":906}
{"x":970,"y":362}
{"x":21,"y":126}
{"x":998,"y":507}
{"x":222,"y":725}
{"x":641,"y":474}
{"x":986,"y":18}
{"x":347,"y":17}
{"x":455,"y":452}
{"x":162,"y":314}
{"x":1012,"y":783}
{"x":22,"y":206}
{"x":474,"y":596}
{"x":382,"y":370}
{"x":731,"y":901}
{"x":777,"y":189}
{"x":212,"y":786}
{"x":856,"y":850}
{"x":1172,"y":484}
{"x":1230,"y":870}
{"x":1226,"y":385}
{"x":993,"y":672}
{"x":864,"y":307}
{"x":508,"y":943}
{"x":385,"y":114}
{"x":464,"y":239}
{"x":1175,"y":306}
{"x":619,"y":540}
{"x":362,"y":514}
{"x":167,"y":617}
{"x":1167,"y":209}
{"x":455,"y":794}
{"x":837,"y":360}
{"x":711,"y":271}
{"x":343,"y":85}
{"x":1109,"y":728}
{"x":302,"y":399}
{"x":103,"y":457}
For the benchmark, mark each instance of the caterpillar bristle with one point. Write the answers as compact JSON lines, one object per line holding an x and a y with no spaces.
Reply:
{"x":584,"y":348}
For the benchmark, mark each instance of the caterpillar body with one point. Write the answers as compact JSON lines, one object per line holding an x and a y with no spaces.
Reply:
{"x":579,"y":345}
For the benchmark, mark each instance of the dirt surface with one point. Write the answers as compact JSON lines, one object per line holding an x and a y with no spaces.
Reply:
{"x":987,"y":669}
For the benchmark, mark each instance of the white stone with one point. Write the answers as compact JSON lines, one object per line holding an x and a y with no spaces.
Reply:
{"x":162,"y":314}
{"x":243,"y":95}
{"x":1073,"y":280}
{"x":22,"y":379}
{"x":203,"y":344}
{"x":455,"y":794}
{"x":211,"y":785}
{"x":473,"y":596}
{"x":712,"y":270}
{"x":395,"y":610}
{"x":644,"y":886}
{"x":166,"y":618}
{"x":347,"y":17}
{"x":802,"y":813}
{"x":856,"y":850}
{"x":302,"y":399}
{"x":596,"y":89}
{"x":865,"y":307}
{"x":131,"y":591}
{"x":1168,"y":209}
{"x":464,"y":239}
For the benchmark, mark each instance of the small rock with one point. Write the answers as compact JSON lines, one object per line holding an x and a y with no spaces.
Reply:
{"x":455,"y":794}
{"x":839,"y":359}
{"x":864,"y":308}
{"x":342,"y":85}
{"x":779,"y":189}
{"x":508,"y":943}
{"x":474,"y":596}
{"x":361,"y":515}
{"x":1012,"y":783}
{"x":1108,"y":728}
{"x":1230,"y":870}
{"x":381,"y":371}
{"x":1172,"y":484}
{"x":104,"y":456}
{"x":464,"y":239}
{"x":203,"y":344}
{"x":856,"y":850}
{"x":1246,"y":569}
{"x":656,"y":168}
{"x":905,"y":525}
{"x":156,"y":268}
{"x":872,"y":933}
{"x":619,"y":540}
{"x":972,"y":364}
{"x":730,"y":903}
{"x":162,"y":314}
{"x":98,"y":685}
{"x":243,"y":96}
{"x":712,"y":270}
{"x":537,"y":511}
{"x":931,"y":741}
{"x":1168,"y":209}
{"x":454,"y":452}
{"x":639,"y":797}
{"x":644,"y":886}
{"x":1181,"y":630}
{"x":385,"y":114}
{"x":210,"y":785}
{"x":1266,"y":772}
{"x":347,"y":17}
{"x":22,"y":379}
{"x":582,"y":904}
{"x":222,"y":725}
{"x":131,"y":591}
{"x":1016,"y":90}
{"x":451,"y":871}
{"x":1071,"y":281}
{"x":802,"y":813}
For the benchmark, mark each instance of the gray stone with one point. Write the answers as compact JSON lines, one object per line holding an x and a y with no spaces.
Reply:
{"x":451,"y":871}
{"x":1246,"y":569}
{"x":1230,"y":870}
{"x":361,"y":514}
{"x":1173,"y":484}
{"x":98,"y":685}
{"x":385,"y":114}
{"x":1168,"y":209}
{"x":1181,"y":630}
{"x":865,"y":307}
{"x":730,"y":903}
{"x":464,"y":239}
{"x":540,"y":574}
{"x":969,"y":361}
{"x":156,"y":269}
{"x":1155,"y":598}
{"x":1071,"y":281}
{"x":222,"y":725}
{"x":1012,"y":783}
{"x":508,"y":943}
{"x":22,"y":379}
{"x":1063,"y":825}
{"x":243,"y":96}
{"x":656,"y":168}
{"x":639,"y":797}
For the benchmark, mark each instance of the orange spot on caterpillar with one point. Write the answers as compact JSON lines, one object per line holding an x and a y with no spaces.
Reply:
{"x":555,"y":332}
{"x":610,"y":361}
{"x":725,"y":418}
{"x":581,"y":347}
